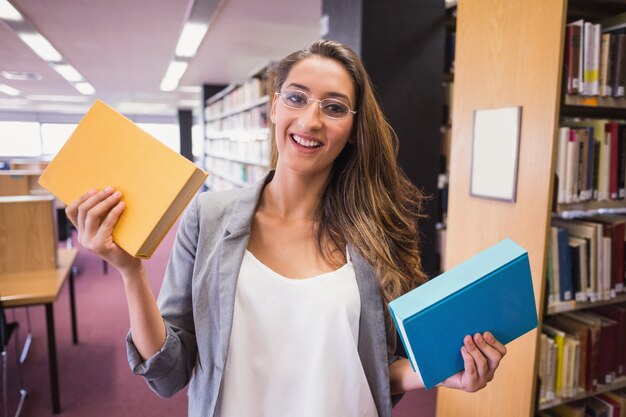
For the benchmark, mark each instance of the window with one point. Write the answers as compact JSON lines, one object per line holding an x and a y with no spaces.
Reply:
{"x":168,"y":134}
{"x":20,"y":139}
{"x":54,"y":136}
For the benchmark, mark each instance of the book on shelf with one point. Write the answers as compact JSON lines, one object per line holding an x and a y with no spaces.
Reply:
{"x":617,"y":397}
{"x":596,"y":408}
{"x":608,"y":336}
{"x":617,"y":312}
{"x":492,"y":291}
{"x":574,"y":57}
{"x":614,"y":228}
{"x":575,"y":409}
{"x":588,"y":356}
{"x":107,"y":149}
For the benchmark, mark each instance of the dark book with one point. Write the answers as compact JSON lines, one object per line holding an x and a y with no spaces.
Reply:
{"x":574,"y":57}
{"x":593,"y":326}
{"x":617,"y":313}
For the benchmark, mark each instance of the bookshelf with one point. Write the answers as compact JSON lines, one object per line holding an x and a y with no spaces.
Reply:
{"x":511,"y":54}
{"x":447,"y":84}
{"x":236,"y":136}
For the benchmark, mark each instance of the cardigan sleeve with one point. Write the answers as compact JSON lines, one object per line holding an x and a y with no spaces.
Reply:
{"x":170,"y":369}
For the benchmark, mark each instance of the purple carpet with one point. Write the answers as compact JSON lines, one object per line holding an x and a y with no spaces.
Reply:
{"x":94,"y":377}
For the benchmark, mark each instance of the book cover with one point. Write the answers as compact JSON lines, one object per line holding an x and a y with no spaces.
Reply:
{"x":107,"y":149}
{"x":492,"y":291}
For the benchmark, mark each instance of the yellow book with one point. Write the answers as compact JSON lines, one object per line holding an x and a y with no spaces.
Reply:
{"x":107,"y":149}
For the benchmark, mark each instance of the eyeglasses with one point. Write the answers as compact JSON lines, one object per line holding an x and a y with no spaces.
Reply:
{"x":329,"y":107}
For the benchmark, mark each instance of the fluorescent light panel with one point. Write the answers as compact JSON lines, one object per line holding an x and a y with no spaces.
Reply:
{"x":9,"y":90}
{"x":21,"y":75}
{"x":176,"y":69}
{"x":68,"y":72}
{"x":85,"y":88}
{"x":190,"y":39}
{"x":53,"y":98}
{"x":41,"y":46}
{"x":8,"y":12}
{"x":169,"y":84}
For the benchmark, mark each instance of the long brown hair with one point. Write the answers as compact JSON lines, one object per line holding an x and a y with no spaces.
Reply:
{"x":368,"y":201}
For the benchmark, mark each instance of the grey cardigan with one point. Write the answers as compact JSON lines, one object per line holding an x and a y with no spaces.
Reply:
{"x":197,"y":301}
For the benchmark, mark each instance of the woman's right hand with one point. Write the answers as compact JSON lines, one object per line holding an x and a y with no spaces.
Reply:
{"x":94,"y":214}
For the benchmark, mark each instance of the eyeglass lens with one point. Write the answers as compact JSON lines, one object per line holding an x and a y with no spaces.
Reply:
{"x":330,"y":107}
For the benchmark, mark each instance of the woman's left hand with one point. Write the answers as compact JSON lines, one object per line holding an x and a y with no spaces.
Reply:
{"x":481,"y":355}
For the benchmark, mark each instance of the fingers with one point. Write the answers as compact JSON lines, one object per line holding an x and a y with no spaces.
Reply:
{"x":90,"y":210}
{"x":106,"y":228}
{"x":489,"y":338}
{"x":478,"y":373}
{"x":94,"y":215}
{"x":493,"y":353}
{"x":72,"y":210}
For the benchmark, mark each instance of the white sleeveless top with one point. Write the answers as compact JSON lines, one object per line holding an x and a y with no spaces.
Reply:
{"x":293,"y":346}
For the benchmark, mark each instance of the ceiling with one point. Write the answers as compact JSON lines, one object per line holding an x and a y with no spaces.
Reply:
{"x":123,"y":49}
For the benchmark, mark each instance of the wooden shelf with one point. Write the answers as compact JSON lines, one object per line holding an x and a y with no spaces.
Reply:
{"x":593,"y":106}
{"x":255,"y":103}
{"x":617,"y":384}
{"x":565,"y":306}
{"x":233,"y":158}
{"x":589,"y":208}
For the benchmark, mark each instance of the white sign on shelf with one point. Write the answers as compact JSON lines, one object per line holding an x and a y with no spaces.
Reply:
{"x":495,"y":151}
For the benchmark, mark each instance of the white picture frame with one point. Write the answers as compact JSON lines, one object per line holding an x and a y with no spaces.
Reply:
{"x":495,"y":153}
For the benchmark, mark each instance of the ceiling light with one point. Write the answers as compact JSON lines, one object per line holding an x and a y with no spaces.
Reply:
{"x":41,"y":46}
{"x":176,"y":69}
{"x":9,"y":90}
{"x":53,"y":98}
{"x":190,"y":89}
{"x":21,"y":75}
{"x":85,"y":88}
{"x":8,"y":12}
{"x":169,"y":84}
{"x":68,"y":72}
{"x":190,"y":39}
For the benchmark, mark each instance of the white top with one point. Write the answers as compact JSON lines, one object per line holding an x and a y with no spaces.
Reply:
{"x":293,"y":346}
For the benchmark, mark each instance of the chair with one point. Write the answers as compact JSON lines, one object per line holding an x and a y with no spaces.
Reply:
{"x":7,"y":329}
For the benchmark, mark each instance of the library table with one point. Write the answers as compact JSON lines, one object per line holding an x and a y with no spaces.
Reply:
{"x":21,"y":289}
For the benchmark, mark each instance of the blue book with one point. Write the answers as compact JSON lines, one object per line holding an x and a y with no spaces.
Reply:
{"x":491,"y":291}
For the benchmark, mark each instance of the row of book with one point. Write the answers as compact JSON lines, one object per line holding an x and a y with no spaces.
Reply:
{"x":252,"y":150}
{"x":591,"y":161}
{"x":586,"y":259}
{"x":582,"y":350}
{"x":608,"y":404}
{"x":250,"y":91}
{"x":255,"y":118}
{"x":237,"y":173}
{"x":595,"y":57}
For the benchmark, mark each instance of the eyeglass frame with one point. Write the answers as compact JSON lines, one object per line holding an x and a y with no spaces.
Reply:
{"x":311,"y":99}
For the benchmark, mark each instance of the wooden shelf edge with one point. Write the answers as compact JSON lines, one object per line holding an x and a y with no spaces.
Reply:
{"x":619,"y":383}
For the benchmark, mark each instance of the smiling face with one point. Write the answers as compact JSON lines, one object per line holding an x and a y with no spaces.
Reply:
{"x":308,"y":141}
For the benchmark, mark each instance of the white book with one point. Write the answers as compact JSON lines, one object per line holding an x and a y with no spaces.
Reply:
{"x":561,"y":165}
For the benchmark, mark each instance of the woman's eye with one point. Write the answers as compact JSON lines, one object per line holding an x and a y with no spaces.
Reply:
{"x":336,"y":108}
{"x":296,"y":98}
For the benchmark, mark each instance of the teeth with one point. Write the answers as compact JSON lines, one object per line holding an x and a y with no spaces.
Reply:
{"x":306,"y":142}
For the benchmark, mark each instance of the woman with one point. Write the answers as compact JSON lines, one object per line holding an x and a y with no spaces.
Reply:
{"x":274,"y":299}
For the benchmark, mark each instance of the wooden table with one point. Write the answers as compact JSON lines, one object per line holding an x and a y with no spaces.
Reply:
{"x":42,"y":288}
